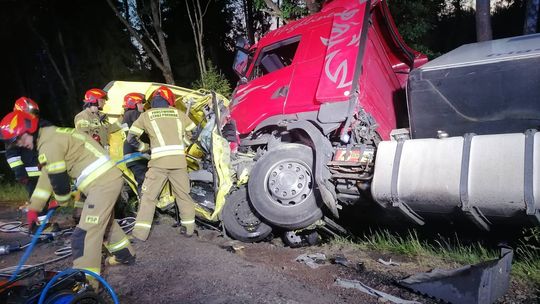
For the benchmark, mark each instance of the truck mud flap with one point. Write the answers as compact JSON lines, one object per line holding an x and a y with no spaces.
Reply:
{"x":480,"y":283}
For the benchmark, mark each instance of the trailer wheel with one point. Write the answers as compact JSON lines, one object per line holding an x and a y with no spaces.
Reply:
{"x":240,"y":221}
{"x":282,"y":188}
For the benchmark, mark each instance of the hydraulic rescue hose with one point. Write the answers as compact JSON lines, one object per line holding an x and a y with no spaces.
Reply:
{"x":132,"y":156}
{"x":30,"y":248}
{"x":33,"y":243}
{"x":71,"y":270}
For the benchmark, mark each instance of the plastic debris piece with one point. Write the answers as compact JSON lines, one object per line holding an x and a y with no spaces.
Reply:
{"x":388,"y":263}
{"x":482,"y":283}
{"x":313,"y":260}
{"x":371,"y":291}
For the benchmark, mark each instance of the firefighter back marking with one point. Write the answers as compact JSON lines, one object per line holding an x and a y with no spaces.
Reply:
{"x":165,"y":113}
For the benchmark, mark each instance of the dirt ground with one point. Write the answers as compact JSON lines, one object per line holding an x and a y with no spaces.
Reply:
{"x":213,"y":269}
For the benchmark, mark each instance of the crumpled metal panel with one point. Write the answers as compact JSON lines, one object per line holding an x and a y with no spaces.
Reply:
{"x":480,"y":283}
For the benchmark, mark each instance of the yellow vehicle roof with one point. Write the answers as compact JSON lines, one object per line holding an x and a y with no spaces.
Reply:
{"x":196,"y":100}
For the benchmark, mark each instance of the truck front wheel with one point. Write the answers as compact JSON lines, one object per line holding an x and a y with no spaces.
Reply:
{"x":282,"y":189}
{"x":239,"y":220}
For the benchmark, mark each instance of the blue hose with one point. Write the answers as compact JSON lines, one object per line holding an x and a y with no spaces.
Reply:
{"x":33,"y":243}
{"x":71,"y":270}
{"x":132,"y":156}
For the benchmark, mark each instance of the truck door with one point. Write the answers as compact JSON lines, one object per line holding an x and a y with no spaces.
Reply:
{"x":269,"y":80}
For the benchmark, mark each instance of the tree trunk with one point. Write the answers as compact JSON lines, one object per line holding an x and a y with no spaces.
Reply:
{"x":313,"y":6}
{"x":167,"y":71}
{"x":531,"y":17}
{"x":248,"y":13}
{"x":483,"y":21}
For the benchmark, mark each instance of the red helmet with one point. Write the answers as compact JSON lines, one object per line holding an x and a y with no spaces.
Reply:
{"x":27,"y":105}
{"x":132,"y":99}
{"x":93,"y":95}
{"x":166,"y":93}
{"x":16,"y":124}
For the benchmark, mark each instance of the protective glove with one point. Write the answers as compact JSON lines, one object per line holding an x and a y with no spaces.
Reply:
{"x":103,"y":119}
{"x":53,"y":204}
{"x":23,"y":180}
{"x":31,"y":219}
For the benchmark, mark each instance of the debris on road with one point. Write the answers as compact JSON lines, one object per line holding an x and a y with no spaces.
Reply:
{"x":481,"y":283}
{"x":234,"y":248}
{"x":343,"y":261}
{"x":313,"y":260}
{"x":371,"y":291}
{"x":388,"y":263}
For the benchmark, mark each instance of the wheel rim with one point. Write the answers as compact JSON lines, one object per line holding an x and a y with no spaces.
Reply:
{"x":288,"y":182}
{"x":245,"y":217}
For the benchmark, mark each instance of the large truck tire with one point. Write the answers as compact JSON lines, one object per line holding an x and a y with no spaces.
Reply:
{"x":239,"y":220}
{"x":282,"y":189}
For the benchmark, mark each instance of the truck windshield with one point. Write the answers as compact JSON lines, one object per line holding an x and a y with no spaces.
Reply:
{"x":275,"y":57}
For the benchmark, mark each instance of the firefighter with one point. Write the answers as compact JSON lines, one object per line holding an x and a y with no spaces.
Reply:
{"x":24,"y":162}
{"x":91,"y":121}
{"x":133,"y":107}
{"x":66,"y":154}
{"x":165,"y":127}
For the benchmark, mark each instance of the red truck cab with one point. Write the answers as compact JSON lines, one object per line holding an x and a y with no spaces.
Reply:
{"x":349,"y":50}
{"x":314,"y":99}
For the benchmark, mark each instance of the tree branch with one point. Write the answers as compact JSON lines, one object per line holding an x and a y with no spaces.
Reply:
{"x":274,"y":7}
{"x":136,"y":35}
{"x":51,"y":59}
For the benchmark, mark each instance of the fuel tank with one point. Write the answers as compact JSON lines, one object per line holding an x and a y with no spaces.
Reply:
{"x":488,"y":178}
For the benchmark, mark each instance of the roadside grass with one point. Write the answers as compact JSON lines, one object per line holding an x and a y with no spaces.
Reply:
{"x":525,"y":266}
{"x":10,"y":192}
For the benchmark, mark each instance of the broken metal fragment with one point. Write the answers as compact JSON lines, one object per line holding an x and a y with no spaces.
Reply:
{"x":481,"y":283}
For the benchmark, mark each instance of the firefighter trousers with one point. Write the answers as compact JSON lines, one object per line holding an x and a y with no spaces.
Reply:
{"x":153,"y":184}
{"x":138,"y":168}
{"x":97,"y":226}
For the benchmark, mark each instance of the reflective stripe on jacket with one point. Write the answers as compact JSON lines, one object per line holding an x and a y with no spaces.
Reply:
{"x":65,"y":151}
{"x":166,"y":129}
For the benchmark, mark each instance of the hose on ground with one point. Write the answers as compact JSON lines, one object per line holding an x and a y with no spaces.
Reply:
{"x":127,"y":224}
{"x":71,"y":270}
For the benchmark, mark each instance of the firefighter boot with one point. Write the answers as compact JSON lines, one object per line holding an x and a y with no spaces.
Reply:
{"x":188,"y":230}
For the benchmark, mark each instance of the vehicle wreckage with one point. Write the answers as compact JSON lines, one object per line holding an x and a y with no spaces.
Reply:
{"x":334,"y":110}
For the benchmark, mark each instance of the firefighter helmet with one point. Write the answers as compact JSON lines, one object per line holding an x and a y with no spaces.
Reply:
{"x":93,"y":95}
{"x":27,"y":105}
{"x":16,"y":124}
{"x":132,"y":99}
{"x":166,"y":94}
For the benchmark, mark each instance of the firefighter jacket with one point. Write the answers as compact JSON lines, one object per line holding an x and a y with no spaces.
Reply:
{"x":165,"y":128}
{"x":65,"y":154}
{"x":23,"y":162}
{"x":95,"y":124}
{"x":130,"y":116}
